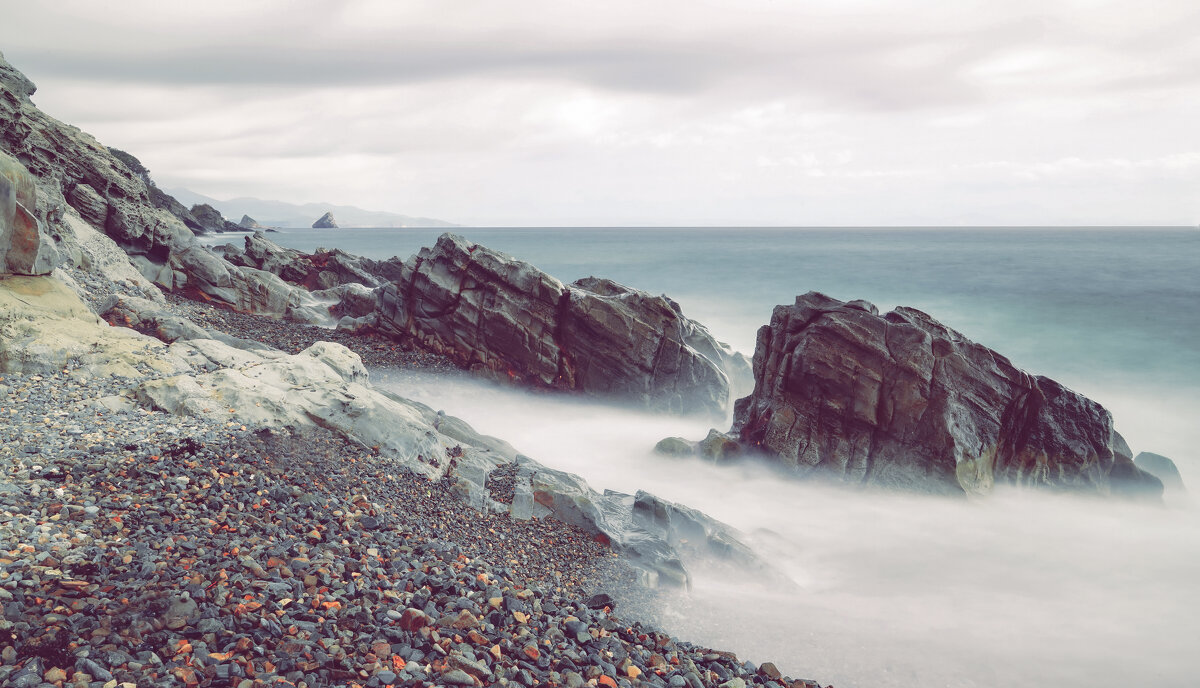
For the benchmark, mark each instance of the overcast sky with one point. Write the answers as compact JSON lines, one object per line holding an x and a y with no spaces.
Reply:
{"x":810,"y":112}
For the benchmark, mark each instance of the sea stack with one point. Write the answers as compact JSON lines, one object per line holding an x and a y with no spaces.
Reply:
{"x":248,"y":222}
{"x":326,"y":221}
{"x":900,"y":400}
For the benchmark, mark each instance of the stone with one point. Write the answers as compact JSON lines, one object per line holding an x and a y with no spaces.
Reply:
{"x":211,"y":220}
{"x":506,"y":319}
{"x":900,"y":400}
{"x":248,"y":222}
{"x":1162,"y":468}
{"x":675,"y":446}
{"x":326,"y":221}
{"x":25,"y":247}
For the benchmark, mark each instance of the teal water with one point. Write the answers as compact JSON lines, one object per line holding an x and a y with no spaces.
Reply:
{"x":1111,"y":312}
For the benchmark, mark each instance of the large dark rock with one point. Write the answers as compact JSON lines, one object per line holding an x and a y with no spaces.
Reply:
{"x":493,"y":313}
{"x":901,"y":400}
{"x":326,"y":221}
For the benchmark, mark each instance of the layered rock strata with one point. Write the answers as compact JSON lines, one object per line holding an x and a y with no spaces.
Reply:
{"x":500,"y":315}
{"x":901,"y":400}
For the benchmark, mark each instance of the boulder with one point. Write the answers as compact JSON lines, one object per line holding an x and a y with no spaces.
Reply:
{"x":1162,"y":468}
{"x":901,"y":400}
{"x":25,"y":248}
{"x":503,"y":317}
{"x":326,"y":221}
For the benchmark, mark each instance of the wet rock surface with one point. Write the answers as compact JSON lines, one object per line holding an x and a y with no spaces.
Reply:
{"x":900,"y":400}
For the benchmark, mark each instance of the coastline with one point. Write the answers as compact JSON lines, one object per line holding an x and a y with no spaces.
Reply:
{"x":155,"y":549}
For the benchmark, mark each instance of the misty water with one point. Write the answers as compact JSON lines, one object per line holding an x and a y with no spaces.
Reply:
{"x":887,"y":589}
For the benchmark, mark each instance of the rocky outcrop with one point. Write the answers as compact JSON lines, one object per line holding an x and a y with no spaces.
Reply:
{"x":900,"y":400}
{"x":248,"y":222}
{"x":326,"y":221}
{"x":212,"y":220}
{"x":25,"y":249}
{"x":45,"y":328}
{"x":75,"y":176}
{"x":498,"y":315}
{"x":1164,"y":469}
{"x":324,"y":269}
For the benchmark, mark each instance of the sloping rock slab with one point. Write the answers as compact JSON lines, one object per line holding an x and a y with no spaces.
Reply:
{"x":901,"y":400}
{"x":495,"y":314}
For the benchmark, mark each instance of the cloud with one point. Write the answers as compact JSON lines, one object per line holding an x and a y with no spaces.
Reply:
{"x":707,"y":112}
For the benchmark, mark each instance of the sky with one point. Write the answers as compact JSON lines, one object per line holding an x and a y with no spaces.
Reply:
{"x":704,"y":112}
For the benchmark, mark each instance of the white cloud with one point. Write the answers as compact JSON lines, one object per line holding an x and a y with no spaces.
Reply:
{"x":864,"y":112}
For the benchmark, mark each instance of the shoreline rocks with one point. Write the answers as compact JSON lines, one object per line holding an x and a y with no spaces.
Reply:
{"x":501,"y":316}
{"x":899,"y":400}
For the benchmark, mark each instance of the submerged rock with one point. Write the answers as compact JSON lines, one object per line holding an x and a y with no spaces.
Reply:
{"x":493,"y":313}
{"x":900,"y":400}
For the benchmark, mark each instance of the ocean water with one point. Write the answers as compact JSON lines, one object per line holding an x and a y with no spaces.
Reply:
{"x":902,"y":590}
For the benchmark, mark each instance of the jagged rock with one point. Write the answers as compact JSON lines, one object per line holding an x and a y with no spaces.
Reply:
{"x":320,"y":270}
{"x":1162,"y":468}
{"x":72,"y":169}
{"x":25,"y":248}
{"x":167,"y":202}
{"x":901,"y":400}
{"x":326,"y":221}
{"x":212,"y":220}
{"x":248,"y":222}
{"x":498,"y":315}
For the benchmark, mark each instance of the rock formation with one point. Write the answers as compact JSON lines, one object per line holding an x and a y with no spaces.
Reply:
{"x":44,"y":327}
{"x":900,"y":400}
{"x":326,"y":221}
{"x":493,"y":313}
{"x":248,"y":222}
{"x":212,"y":220}
{"x":1164,"y":469}
{"x":25,"y":249}
{"x":76,"y":177}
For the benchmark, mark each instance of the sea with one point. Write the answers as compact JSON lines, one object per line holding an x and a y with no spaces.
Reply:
{"x":884,"y":589}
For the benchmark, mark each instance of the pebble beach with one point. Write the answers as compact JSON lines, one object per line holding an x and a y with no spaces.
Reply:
{"x":141,"y":549}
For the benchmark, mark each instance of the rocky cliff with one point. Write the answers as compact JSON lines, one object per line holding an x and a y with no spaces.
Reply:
{"x":494,"y":313}
{"x":901,"y":400}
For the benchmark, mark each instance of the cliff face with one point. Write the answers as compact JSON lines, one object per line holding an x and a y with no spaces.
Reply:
{"x":78,"y":182}
{"x":901,"y":400}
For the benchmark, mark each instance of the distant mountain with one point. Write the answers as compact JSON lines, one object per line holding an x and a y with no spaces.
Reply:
{"x":280,"y":214}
